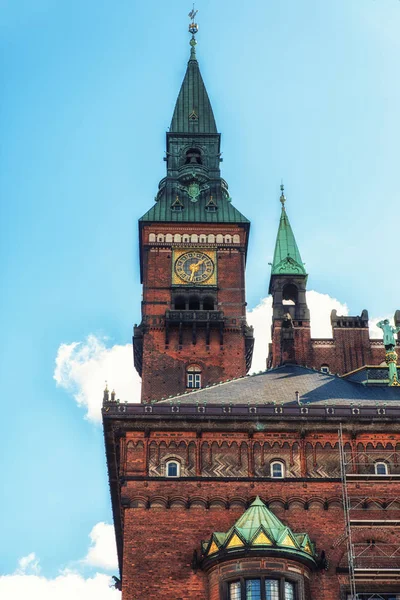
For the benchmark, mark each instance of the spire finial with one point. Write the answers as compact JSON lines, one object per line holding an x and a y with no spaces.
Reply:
{"x":193,"y":29}
{"x":283,"y":197}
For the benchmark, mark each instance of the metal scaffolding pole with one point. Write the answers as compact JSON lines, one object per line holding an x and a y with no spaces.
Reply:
{"x":346,"y":510}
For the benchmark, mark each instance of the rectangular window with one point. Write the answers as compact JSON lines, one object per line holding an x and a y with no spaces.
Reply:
{"x":271,"y":589}
{"x":253,"y":589}
{"x":289,"y":591}
{"x":194,"y":380}
{"x":234,"y":590}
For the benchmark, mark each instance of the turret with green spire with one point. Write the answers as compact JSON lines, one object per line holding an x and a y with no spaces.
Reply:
{"x":290,"y":314}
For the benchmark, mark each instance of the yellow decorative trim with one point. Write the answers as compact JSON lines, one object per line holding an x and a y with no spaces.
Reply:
{"x":395,"y":382}
{"x":287,"y":541}
{"x":213,"y":548}
{"x":307,"y":548}
{"x":235,"y":542}
{"x":262,"y":540}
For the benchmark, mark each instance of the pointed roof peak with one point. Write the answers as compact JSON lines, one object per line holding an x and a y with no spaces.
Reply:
{"x":287,"y":259}
{"x":193,"y":112}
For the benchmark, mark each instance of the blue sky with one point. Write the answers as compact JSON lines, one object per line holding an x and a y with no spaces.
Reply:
{"x":304,"y":90}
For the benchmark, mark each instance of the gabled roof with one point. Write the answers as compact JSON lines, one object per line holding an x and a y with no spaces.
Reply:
{"x":193,"y":112}
{"x":287,"y":259}
{"x":279,"y":386}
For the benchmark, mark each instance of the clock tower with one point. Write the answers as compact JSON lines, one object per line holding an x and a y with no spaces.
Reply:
{"x":193,"y":245}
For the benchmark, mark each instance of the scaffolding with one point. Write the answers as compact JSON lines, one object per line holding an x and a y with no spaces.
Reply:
{"x":370,"y":561}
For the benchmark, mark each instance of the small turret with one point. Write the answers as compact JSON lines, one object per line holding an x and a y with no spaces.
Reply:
{"x":291,"y":317}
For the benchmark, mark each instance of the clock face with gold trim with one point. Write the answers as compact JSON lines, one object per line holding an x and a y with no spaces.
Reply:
{"x":195,"y":267}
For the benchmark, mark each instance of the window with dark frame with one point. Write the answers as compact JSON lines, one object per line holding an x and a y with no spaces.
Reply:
{"x":193,"y":377}
{"x":262,"y":588}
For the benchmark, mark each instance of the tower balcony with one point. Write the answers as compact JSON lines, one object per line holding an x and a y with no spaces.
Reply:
{"x":202,"y":317}
{"x":195,"y":318}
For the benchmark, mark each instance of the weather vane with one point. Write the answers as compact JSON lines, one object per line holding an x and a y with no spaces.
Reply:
{"x":193,"y":27}
{"x":283,"y":197}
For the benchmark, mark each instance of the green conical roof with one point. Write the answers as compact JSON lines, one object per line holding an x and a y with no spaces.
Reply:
{"x":259,"y":529}
{"x":287,"y":259}
{"x":193,"y":112}
{"x":258,"y":515}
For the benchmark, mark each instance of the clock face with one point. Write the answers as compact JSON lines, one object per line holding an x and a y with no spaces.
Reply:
{"x":194,"y":267}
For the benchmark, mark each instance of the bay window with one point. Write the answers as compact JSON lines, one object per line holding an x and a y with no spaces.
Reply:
{"x":263,"y":588}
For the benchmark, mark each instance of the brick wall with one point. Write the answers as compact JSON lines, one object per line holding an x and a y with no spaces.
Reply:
{"x":164,"y":364}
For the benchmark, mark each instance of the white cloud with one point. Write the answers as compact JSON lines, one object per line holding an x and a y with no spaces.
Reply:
{"x":28,"y":565}
{"x":65,"y":586}
{"x":260,"y":318}
{"x":102,"y":552}
{"x":82,"y":368}
{"x":26,"y":581}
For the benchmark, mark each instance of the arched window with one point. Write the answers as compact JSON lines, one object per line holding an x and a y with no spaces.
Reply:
{"x":180,"y":303}
{"x":381,"y":468}
{"x":169,"y":238}
{"x":211,"y":238}
{"x":193,"y":157}
{"x":228,"y":239}
{"x":186,"y":238}
{"x":277,"y":469}
{"x":208,"y":303}
{"x":236,"y":239}
{"x":194,"y":303}
{"x":193,"y":377}
{"x":172,"y":468}
{"x":194,"y":238}
{"x":220,"y":238}
{"x":152,"y":238}
{"x":177,"y":238}
{"x":160,"y":237}
{"x":202,"y":239}
{"x":289,"y":294}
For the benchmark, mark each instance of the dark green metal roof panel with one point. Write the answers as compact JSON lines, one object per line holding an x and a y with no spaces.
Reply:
{"x":193,"y":112}
{"x":287,"y":259}
{"x":194,"y":212}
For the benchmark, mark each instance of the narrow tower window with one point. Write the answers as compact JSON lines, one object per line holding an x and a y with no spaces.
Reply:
{"x":193,"y":377}
{"x":172,"y":468}
{"x":381,"y":468}
{"x":277,"y":469}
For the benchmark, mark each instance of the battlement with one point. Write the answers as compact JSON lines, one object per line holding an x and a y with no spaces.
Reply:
{"x":356,"y":322}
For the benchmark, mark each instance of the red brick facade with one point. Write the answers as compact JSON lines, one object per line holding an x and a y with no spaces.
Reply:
{"x":221,"y":352}
{"x":164,"y":520}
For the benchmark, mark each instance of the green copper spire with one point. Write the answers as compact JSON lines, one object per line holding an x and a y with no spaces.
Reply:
{"x":287,"y":259}
{"x":193,"y":112}
{"x":193,"y":157}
